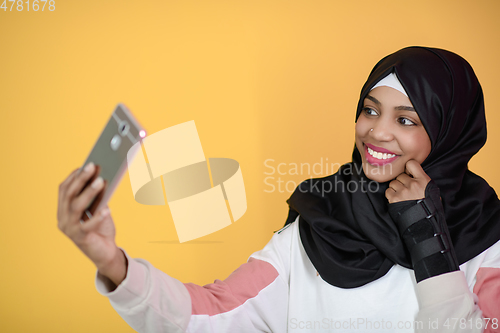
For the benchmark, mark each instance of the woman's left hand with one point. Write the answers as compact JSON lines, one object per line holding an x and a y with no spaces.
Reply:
{"x":410,"y":185}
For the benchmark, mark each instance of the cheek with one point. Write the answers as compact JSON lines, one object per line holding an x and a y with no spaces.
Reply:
{"x":426,"y":148}
{"x":358,"y":135}
{"x":419,"y":146}
{"x":362,"y":127}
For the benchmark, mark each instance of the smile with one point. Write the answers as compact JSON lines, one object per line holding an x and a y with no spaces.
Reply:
{"x":378,"y":156}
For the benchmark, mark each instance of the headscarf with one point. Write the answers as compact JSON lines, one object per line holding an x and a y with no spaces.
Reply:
{"x":344,"y":223}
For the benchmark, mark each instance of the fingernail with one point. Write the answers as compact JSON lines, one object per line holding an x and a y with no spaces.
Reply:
{"x":89,"y":167}
{"x":105,"y":212}
{"x":97,"y":183}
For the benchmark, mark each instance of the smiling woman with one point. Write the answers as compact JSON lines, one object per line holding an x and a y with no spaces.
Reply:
{"x":389,"y":133}
{"x":418,"y":252}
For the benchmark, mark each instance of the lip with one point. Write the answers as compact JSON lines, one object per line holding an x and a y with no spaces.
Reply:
{"x":379,"y":149}
{"x":375,"y":161}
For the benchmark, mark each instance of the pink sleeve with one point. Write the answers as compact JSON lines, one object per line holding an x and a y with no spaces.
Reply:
{"x":254,"y":298}
{"x":487,"y":289}
{"x":243,"y":284}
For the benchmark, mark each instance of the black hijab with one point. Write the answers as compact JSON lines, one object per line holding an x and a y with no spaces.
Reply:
{"x":344,"y":223}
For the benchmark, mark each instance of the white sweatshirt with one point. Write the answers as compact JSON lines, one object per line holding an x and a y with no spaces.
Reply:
{"x":278,"y":290}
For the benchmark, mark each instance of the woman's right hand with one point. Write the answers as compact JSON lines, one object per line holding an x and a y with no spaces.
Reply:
{"x":95,"y":237}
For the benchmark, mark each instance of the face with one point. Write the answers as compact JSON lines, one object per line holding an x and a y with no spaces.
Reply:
{"x":397,"y":136}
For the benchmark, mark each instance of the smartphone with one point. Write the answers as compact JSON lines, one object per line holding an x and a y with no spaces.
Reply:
{"x":109,"y":154}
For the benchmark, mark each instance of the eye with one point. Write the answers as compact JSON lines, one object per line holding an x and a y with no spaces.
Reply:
{"x":405,"y":121}
{"x":369,"y":111}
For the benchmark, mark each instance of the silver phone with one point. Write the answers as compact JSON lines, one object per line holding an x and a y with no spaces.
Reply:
{"x":109,"y":154}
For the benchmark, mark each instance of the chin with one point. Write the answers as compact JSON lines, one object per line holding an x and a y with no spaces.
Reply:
{"x":380,"y":175}
{"x":379,"y":178}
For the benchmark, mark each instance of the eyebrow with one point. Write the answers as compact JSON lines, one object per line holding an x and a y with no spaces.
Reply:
{"x":401,"y":107}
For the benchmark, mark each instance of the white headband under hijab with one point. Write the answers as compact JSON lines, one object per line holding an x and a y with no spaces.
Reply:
{"x":391,"y":81}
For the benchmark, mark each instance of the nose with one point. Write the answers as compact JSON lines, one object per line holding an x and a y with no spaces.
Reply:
{"x":382,"y":130}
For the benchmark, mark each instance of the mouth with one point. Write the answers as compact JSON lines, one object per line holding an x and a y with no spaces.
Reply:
{"x":378,"y":156}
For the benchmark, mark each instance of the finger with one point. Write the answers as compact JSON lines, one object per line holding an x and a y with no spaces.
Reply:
{"x":390,"y":194}
{"x":415,"y":169}
{"x":68,"y":179}
{"x":404,"y":178}
{"x":396,"y":185}
{"x":83,"y":200}
{"x":62,"y":193}
{"x":64,"y":185}
{"x":80,"y":181}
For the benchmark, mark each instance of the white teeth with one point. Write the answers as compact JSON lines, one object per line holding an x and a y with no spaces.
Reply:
{"x":379,"y":155}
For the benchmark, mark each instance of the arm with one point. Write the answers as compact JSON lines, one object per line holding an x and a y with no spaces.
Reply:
{"x":451,"y":292}
{"x":147,"y":299}
{"x":254,"y":298}
{"x":445,"y":301}
{"x":96,"y":239}
{"x":447,"y":305}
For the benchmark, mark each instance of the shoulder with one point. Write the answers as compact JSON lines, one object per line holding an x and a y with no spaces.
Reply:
{"x":278,"y":250}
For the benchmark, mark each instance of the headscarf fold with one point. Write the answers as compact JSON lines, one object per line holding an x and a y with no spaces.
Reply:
{"x":344,"y":223}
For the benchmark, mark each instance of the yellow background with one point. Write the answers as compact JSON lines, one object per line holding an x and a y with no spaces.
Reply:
{"x":263,"y":80}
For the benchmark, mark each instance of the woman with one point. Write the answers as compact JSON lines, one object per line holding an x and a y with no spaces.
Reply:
{"x":383,"y":255}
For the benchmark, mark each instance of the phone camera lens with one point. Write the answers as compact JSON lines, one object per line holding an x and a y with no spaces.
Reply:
{"x":123,"y":127}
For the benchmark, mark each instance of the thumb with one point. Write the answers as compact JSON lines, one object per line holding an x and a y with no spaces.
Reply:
{"x":100,"y":216}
